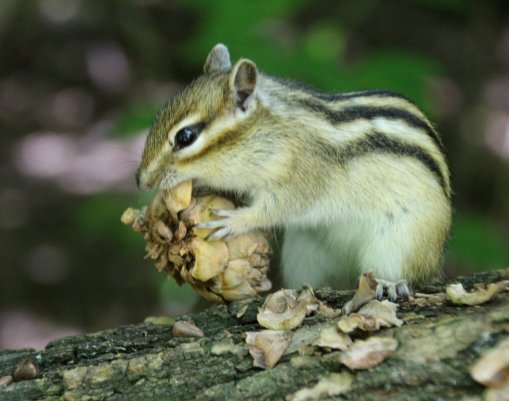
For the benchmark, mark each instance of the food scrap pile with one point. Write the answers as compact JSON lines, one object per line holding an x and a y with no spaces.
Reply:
{"x":220,"y":270}
{"x":284,"y":312}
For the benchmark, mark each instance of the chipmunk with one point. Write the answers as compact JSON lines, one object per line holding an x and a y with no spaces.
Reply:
{"x":358,"y":180}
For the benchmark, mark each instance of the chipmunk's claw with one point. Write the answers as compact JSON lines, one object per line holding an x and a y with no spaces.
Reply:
{"x":222,"y":233}
{"x":221,"y":212}
{"x":395,"y":290}
{"x":225,"y":226}
{"x":209,"y":224}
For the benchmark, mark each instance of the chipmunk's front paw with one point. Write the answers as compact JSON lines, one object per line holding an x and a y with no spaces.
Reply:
{"x":232,"y":223}
{"x":395,"y":290}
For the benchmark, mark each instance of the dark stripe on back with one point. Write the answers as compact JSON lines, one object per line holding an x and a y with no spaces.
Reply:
{"x":353,"y":113}
{"x":295,"y":85}
{"x":352,"y":95}
{"x":380,"y":143}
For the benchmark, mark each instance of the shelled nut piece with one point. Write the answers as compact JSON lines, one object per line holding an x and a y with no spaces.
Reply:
{"x":219,"y":270}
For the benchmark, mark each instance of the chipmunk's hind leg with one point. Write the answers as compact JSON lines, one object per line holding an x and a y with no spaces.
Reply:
{"x":408,"y":250}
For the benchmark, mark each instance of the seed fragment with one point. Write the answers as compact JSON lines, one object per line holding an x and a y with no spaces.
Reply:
{"x":267,"y":347}
{"x":286,"y":309}
{"x":27,"y":370}
{"x":182,"y":328}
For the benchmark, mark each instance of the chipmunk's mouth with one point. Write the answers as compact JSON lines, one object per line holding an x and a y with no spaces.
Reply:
{"x":168,"y":180}
{"x":159,"y":179}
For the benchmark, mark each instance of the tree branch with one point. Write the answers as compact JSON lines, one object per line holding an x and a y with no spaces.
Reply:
{"x":437,"y":345}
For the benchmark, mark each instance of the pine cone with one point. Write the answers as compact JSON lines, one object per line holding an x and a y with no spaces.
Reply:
{"x":218,"y":270}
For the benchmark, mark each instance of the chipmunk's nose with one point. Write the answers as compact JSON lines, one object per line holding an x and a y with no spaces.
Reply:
{"x":143,"y":181}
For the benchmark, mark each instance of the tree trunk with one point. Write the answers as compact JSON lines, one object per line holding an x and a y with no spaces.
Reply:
{"x":437,"y":345}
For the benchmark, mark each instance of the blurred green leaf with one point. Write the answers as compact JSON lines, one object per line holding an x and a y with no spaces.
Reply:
{"x":324,"y":43}
{"x":171,"y":292}
{"x":397,"y":70}
{"x":241,"y":25}
{"x":98,"y":219}
{"x":134,"y":120}
{"x":476,"y":243}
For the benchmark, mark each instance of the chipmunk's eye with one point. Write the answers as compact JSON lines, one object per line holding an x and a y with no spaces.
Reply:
{"x":187,"y":135}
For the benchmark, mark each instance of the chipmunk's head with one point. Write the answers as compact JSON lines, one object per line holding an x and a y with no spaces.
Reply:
{"x":192,"y":137}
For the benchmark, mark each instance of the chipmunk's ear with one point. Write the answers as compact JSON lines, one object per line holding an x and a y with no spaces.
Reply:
{"x":218,"y":60}
{"x":243,"y":80}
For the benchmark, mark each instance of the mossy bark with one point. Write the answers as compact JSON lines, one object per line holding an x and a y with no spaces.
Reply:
{"x":144,"y":362}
